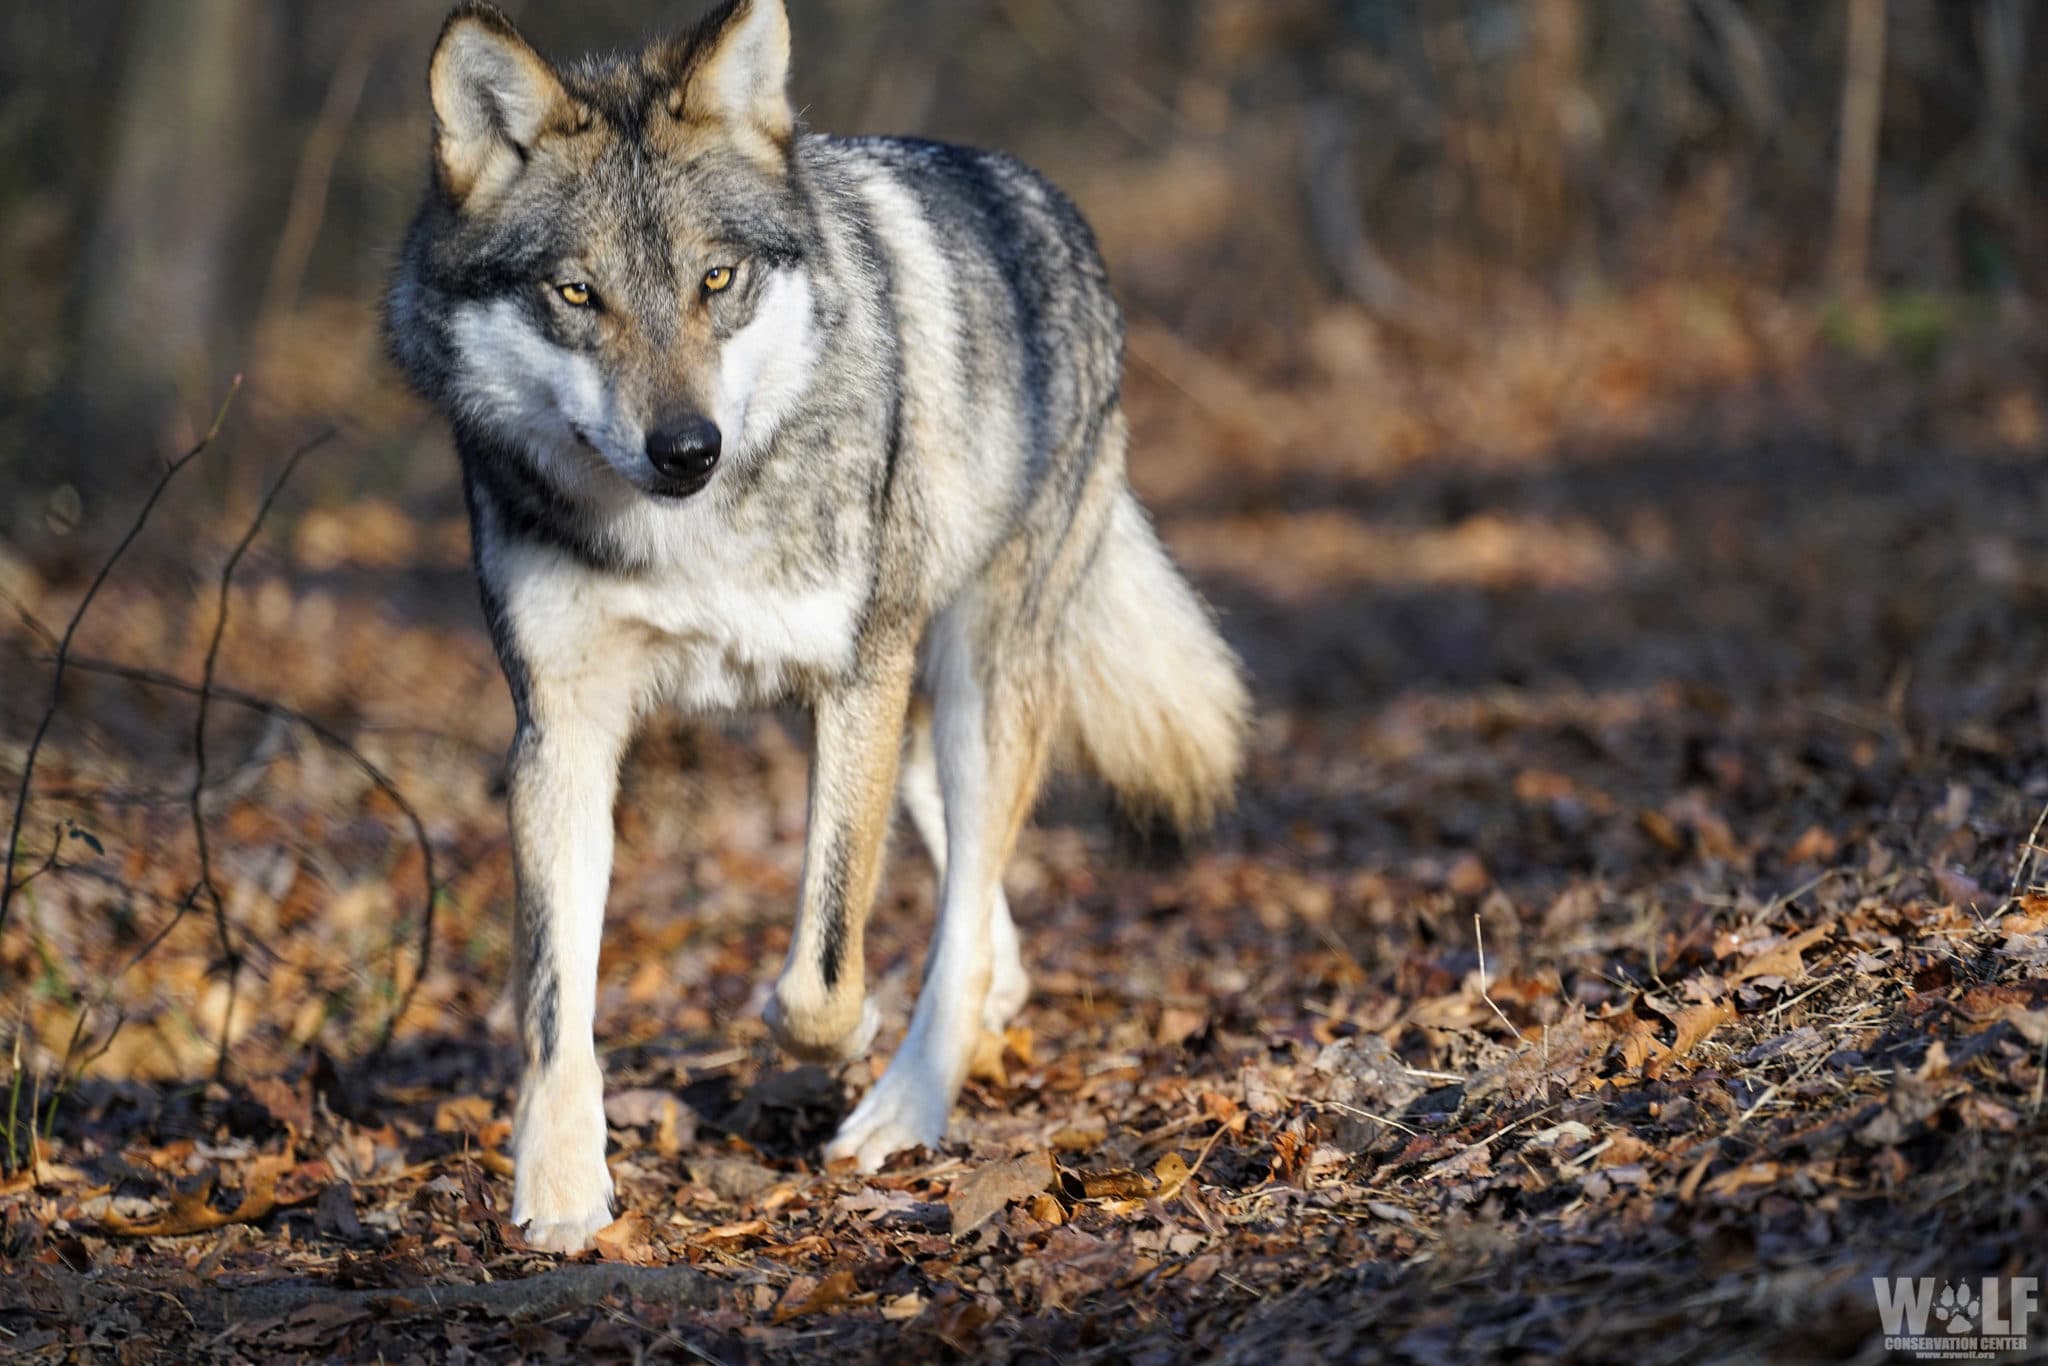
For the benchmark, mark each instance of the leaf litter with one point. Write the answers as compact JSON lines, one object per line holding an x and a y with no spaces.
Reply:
{"x":1643,"y":1006}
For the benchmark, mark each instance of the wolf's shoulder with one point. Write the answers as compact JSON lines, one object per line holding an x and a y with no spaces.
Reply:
{"x":985,"y":193}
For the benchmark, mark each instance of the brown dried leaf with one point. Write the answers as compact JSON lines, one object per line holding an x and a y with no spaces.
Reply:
{"x":1815,"y":846}
{"x":1172,"y":1173}
{"x":1741,"y":1178}
{"x":463,"y":1115}
{"x":630,"y":1239}
{"x":1118,"y":1184}
{"x":1693,"y":1024}
{"x":1781,"y":959}
{"x":193,"y":1212}
{"x":976,"y":1196}
{"x":835,"y":1290}
{"x":733,"y":1233}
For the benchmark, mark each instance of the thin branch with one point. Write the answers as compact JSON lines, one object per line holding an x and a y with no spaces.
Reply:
{"x":35,"y":744}
{"x":1333,"y":202}
{"x":2019,"y":874}
{"x":315,"y":173}
{"x":1479,"y":937}
{"x":231,"y":961}
{"x":333,"y":739}
{"x":206,"y":690}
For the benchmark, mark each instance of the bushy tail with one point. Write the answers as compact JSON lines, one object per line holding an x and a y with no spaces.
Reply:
{"x":1155,"y":701}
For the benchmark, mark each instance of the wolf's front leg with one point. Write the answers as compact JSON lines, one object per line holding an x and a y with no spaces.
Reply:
{"x":820,"y":1007}
{"x":564,"y":778}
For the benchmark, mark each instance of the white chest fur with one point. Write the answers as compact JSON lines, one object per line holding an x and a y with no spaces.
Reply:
{"x":717,"y":629}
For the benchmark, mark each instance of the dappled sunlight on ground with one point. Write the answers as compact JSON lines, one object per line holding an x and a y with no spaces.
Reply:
{"x":1717,"y":718}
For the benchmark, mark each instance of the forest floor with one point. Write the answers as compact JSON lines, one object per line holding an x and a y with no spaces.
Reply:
{"x":1626,"y":945}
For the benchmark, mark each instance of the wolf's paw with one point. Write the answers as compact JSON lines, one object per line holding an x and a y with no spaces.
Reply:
{"x":904,"y":1110}
{"x":561,"y":1188}
{"x":566,"y":1236}
{"x":1006,"y":995}
{"x":817,"y":1037}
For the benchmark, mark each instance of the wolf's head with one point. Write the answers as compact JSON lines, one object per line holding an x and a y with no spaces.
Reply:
{"x":607,"y":279}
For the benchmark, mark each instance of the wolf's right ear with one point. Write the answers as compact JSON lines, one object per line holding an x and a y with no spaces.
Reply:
{"x":736,"y":75}
{"x":493,"y":95}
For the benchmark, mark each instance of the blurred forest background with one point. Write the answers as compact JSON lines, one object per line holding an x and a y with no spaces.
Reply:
{"x":1290,"y":191}
{"x":1613,"y":432}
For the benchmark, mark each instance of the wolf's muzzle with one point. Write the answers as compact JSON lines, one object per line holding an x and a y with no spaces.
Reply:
{"x":684,"y":456}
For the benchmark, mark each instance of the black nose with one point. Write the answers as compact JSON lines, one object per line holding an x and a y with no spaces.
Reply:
{"x":685,"y":451}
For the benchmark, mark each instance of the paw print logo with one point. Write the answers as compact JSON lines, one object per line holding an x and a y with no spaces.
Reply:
{"x":1956,"y":1309}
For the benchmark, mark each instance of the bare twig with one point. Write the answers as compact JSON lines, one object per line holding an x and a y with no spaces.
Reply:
{"x":315,"y":172}
{"x":230,"y":960}
{"x":63,"y":655}
{"x":2027,"y":851}
{"x":1333,"y":201}
{"x":334,"y":740}
{"x":1479,"y":936}
{"x":205,"y":691}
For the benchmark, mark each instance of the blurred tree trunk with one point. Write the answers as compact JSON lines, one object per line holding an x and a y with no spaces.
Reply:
{"x":1549,"y":125}
{"x":1856,"y":171}
{"x":153,"y":282}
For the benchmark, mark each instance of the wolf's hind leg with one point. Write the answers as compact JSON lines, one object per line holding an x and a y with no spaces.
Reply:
{"x":1010,"y":983}
{"x":989,"y":734}
{"x":820,"y":1007}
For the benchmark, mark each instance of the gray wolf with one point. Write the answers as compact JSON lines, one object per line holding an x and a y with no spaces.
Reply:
{"x":747,"y":415}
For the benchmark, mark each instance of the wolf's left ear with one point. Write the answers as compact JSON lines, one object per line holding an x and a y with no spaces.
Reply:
{"x":737,"y":71}
{"x":493,"y":96}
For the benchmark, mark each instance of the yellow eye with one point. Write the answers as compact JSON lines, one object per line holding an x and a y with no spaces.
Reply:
{"x":717,"y":279}
{"x":575,"y":295}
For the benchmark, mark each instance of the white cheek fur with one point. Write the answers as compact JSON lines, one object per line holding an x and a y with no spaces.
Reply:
{"x":541,"y":395}
{"x":764,"y":368}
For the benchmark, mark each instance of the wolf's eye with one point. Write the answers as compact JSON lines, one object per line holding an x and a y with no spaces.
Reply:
{"x":575,"y":295}
{"x":717,"y":279}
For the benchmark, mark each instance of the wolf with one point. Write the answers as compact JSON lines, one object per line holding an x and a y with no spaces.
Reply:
{"x":750,"y":415}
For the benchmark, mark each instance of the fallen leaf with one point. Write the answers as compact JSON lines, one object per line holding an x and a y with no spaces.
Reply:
{"x":630,"y":1239}
{"x":1694,"y":1024}
{"x":836,"y":1289}
{"x":1781,"y":959}
{"x":976,"y":1197}
{"x":1740,"y":1178}
{"x":1079,"y":1138}
{"x":733,"y":1233}
{"x":1815,"y":846}
{"x":1172,"y":1173}
{"x":193,"y":1212}
{"x":1177,"y":1025}
{"x":335,"y":1214}
{"x":463,"y":1114}
{"x":490,"y":1144}
{"x":1118,"y":1184}
{"x":905,"y":1306}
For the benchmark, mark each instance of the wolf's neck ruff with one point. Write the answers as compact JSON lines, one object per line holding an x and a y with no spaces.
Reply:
{"x":748,"y":415}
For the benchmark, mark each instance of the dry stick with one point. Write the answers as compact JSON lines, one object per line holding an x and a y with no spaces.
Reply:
{"x":35,"y":744}
{"x":2019,"y":873}
{"x":230,"y":959}
{"x":1479,"y":936}
{"x":333,"y":740}
{"x":315,"y":173}
{"x":268,"y":707}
